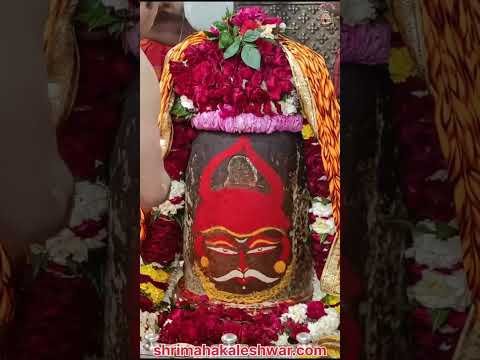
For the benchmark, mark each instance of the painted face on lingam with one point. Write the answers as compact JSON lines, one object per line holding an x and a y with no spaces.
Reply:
{"x":240,"y":228}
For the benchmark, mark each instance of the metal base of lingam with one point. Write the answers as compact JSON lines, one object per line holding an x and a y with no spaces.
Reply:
{"x":184,"y":295}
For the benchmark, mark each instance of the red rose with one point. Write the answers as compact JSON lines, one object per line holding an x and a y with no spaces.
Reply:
{"x":295,"y":329}
{"x":89,"y":228}
{"x":145,"y":304}
{"x":272,"y":20}
{"x":259,"y":96}
{"x":162,"y":242}
{"x":248,"y":25}
{"x":315,"y":310}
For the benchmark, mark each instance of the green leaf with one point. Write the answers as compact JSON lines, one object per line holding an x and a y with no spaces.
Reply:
{"x":226,"y":39}
{"x":235,"y":30}
{"x":210,"y":35}
{"x":251,"y":36}
{"x":251,"y":56}
{"x":232,"y":50}
{"x":220,"y":25}
{"x":179,"y":111}
{"x":323,"y":237}
{"x":439,"y":318}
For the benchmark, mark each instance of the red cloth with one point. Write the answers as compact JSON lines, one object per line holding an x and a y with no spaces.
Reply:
{"x":155,"y":52}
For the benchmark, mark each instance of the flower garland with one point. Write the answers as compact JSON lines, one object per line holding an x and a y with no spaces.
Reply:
{"x":437,"y":287}
{"x":279,"y":326}
{"x":240,"y":70}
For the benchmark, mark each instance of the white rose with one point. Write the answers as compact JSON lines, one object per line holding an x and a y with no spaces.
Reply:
{"x":167,"y":208}
{"x":428,"y":250}
{"x":357,"y":11}
{"x":177,"y":188}
{"x":320,"y":209}
{"x":323,"y":226}
{"x":298,"y":313}
{"x":325,"y":326}
{"x":64,"y":245}
{"x":90,"y":202}
{"x":440,"y":291}
{"x":186,"y":103}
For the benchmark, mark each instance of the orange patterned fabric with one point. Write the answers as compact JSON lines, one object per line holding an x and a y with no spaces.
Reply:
{"x":143,"y":226}
{"x":327,"y":115}
{"x":6,"y":291}
{"x":451,"y":38}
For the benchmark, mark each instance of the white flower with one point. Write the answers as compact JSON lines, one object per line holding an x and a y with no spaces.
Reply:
{"x":318,"y":294}
{"x":320,"y":209}
{"x":167,"y":208}
{"x":177,"y":188}
{"x":428,"y":224}
{"x":323,"y":226}
{"x":298,"y":313}
{"x":440,"y":291}
{"x":325,"y":326}
{"x":116,"y":4}
{"x":90,"y":202}
{"x":186,"y":103}
{"x":267,"y":32}
{"x":357,"y":11}
{"x":282,"y":340}
{"x":441,"y":175}
{"x":284,"y":318}
{"x":148,"y":323}
{"x":282,"y":27}
{"x":444,"y":347}
{"x":64,"y":245}
{"x":288,"y":106}
{"x":420,"y":93}
{"x":428,"y":250}
{"x":37,"y":249}
{"x":97,"y":241}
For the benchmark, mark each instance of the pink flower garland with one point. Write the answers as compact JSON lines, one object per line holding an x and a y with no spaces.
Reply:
{"x":247,"y":123}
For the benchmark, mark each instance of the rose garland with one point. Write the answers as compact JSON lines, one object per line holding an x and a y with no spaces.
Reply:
{"x":214,"y":84}
{"x":437,"y":287}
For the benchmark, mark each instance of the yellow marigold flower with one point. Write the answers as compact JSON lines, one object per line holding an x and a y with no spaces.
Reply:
{"x":401,"y":64}
{"x":155,"y":294}
{"x":331,"y":300}
{"x":307,"y":132}
{"x":155,"y":274}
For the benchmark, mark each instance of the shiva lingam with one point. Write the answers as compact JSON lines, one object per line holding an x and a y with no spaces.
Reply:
{"x":246,"y":221}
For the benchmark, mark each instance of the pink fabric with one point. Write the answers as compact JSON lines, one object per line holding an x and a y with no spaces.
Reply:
{"x":365,"y":44}
{"x":247,"y":123}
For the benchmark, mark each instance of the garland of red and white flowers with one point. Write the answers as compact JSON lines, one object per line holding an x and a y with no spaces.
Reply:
{"x":437,"y":288}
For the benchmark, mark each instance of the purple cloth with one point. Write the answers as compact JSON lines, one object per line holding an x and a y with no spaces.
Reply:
{"x":247,"y":123}
{"x":365,"y":44}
